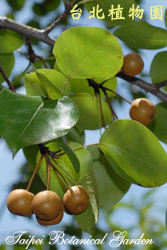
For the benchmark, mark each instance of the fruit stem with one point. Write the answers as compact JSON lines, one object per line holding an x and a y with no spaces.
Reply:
{"x":108,"y":100}
{"x":118,"y":95}
{"x":99,"y":116}
{"x":49,"y":164}
{"x":101,"y":110}
{"x":34,"y":173}
{"x":65,"y":189}
{"x":58,"y":172}
{"x":48,"y":177}
{"x":74,"y":181}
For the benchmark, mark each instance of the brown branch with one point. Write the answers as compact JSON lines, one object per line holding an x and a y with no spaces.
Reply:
{"x":26,"y":31}
{"x":161,"y":84}
{"x":7,"y":79}
{"x":31,"y":55}
{"x":148,"y":87}
{"x":59,"y":19}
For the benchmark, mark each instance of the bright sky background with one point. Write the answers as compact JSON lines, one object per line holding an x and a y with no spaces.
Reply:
{"x":10,"y":167}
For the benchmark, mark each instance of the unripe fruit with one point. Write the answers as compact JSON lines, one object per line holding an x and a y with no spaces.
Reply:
{"x":142,"y":110}
{"x":46,"y":205}
{"x":76,"y":199}
{"x":19,"y":202}
{"x":55,"y":221}
{"x":133,"y":64}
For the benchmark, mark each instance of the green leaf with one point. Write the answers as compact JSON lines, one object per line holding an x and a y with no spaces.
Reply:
{"x":41,"y":9}
{"x":135,"y":153}
{"x":166,"y":18}
{"x":33,"y":86}
{"x":158,"y":70}
{"x":87,"y":106}
{"x":7,"y":63}
{"x":58,"y":80}
{"x":79,"y":57}
{"x":30,"y":153}
{"x":71,"y":154}
{"x":2,"y":247}
{"x":49,"y":88}
{"x":9,"y":41}
{"x":52,"y":83}
{"x":76,"y":135}
{"x":159,"y":125}
{"x":17,"y":4}
{"x":142,"y":35}
{"x":105,"y":5}
{"x":111,"y":187}
{"x":67,"y":168}
{"x":27,"y":120}
{"x":88,"y":219}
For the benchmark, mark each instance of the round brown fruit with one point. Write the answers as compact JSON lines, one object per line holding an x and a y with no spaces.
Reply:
{"x":66,"y":210}
{"x":46,"y":205}
{"x":76,"y":199}
{"x":142,"y":110}
{"x":19,"y":202}
{"x":133,"y":64}
{"x":55,"y":221}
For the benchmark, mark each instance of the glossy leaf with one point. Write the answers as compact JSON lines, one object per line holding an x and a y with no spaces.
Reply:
{"x":7,"y":63}
{"x":88,"y":219}
{"x":142,"y":35}
{"x":66,"y":168}
{"x":105,"y":6}
{"x":111,"y":187}
{"x":158,"y":70}
{"x":159,"y":125}
{"x":9,"y":41}
{"x":27,"y":120}
{"x":71,"y":154}
{"x":87,"y":106}
{"x":79,"y":57}
{"x":43,"y":87}
{"x":135,"y":153}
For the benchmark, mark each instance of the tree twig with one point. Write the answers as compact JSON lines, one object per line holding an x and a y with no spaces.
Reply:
{"x":59,"y":19}
{"x":161,"y":84}
{"x":31,"y":54}
{"x":7,"y":79}
{"x":26,"y":31}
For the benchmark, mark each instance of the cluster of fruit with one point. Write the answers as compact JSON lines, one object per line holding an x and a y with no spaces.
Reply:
{"x":142,"y":109}
{"x":46,"y":205}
